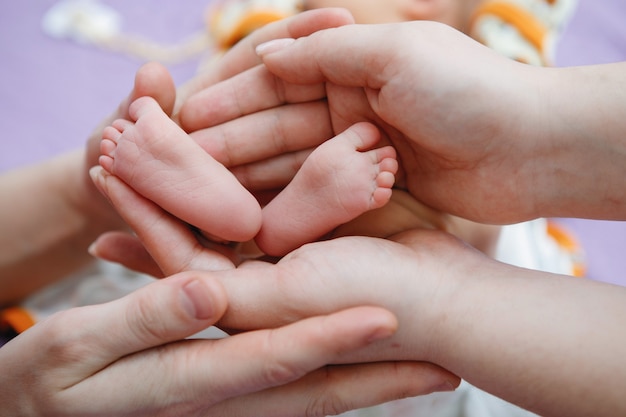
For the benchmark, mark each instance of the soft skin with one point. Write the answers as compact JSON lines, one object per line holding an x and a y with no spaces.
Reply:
{"x":125,"y":357}
{"x":475,"y":159}
{"x":550,"y":343}
{"x":111,"y":369}
{"x":479,"y":318}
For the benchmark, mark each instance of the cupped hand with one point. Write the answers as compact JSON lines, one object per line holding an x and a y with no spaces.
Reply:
{"x":452,"y":108}
{"x":181,"y":250}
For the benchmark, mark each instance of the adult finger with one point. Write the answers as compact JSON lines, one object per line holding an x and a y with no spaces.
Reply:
{"x":336,"y":389}
{"x":170,"y":242}
{"x":127,"y":250}
{"x":271,"y":174}
{"x":302,"y":24}
{"x":194,"y":375}
{"x":153,"y":80}
{"x":245,"y":93}
{"x":242,"y":56}
{"x":288,"y":353}
{"x":354,"y":56}
{"x":263,"y":134}
{"x":75,"y":344}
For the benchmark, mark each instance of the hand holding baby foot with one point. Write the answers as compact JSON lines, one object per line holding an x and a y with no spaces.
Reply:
{"x":161,"y":162}
{"x":341,"y":179}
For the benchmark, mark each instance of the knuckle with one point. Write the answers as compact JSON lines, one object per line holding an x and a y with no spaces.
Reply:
{"x":278,"y":370}
{"x":144,"y":322}
{"x":326,"y":402}
{"x":65,"y":347}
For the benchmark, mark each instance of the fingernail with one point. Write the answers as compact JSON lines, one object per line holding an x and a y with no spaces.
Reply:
{"x":445,"y":386}
{"x":94,"y":172}
{"x":92,"y":249}
{"x":97,"y":176}
{"x":197,"y":301}
{"x":273,"y":46}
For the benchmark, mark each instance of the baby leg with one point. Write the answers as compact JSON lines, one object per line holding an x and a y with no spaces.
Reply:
{"x":160,"y":161}
{"x":337,"y":182}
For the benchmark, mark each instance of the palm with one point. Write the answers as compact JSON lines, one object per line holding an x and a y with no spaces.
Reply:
{"x":440,"y":164}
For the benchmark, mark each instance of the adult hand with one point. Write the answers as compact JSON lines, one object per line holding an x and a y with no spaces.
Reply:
{"x":127,"y":358}
{"x":475,"y":132}
{"x":455,"y":307}
{"x":496,"y":326}
{"x":181,"y":252}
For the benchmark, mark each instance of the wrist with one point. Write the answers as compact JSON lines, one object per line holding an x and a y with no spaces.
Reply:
{"x":429,"y":315}
{"x":472,"y":294}
{"x":580,"y":164}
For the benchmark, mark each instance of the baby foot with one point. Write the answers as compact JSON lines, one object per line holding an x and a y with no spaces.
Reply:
{"x":337,"y":183}
{"x":160,"y":161}
{"x":153,"y":80}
